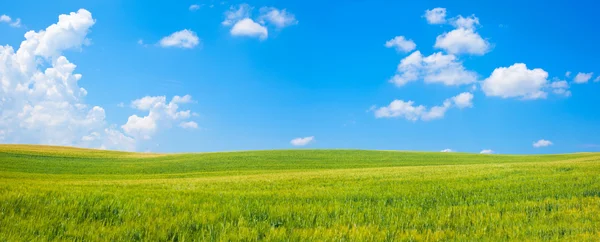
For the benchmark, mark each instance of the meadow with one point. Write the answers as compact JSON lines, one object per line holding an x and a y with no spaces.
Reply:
{"x":60,"y":193}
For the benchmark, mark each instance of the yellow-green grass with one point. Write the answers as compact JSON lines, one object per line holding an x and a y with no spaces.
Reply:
{"x":61,"y":193}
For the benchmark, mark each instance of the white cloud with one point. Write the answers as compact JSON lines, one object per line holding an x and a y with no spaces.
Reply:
{"x":436,"y":68}
{"x":581,"y":78}
{"x":560,"y":87}
{"x":435,"y":16}
{"x":247,"y":27}
{"x":469,"y":22}
{"x":159,"y":113}
{"x":463,"y":100}
{"x":542,"y":143}
{"x":189,"y":125}
{"x":302,"y":141}
{"x":181,"y":39}
{"x":447,"y":150}
{"x":40,"y":99}
{"x":516,"y":81}
{"x":279,"y":18}
{"x":597,"y":79}
{"x":7,"y":19}
{"x":568,"y":74}
{"x":409,"y":111}
{"x":194,"y":7}
{"x":487,"y":151}
{"x":462,"y":41}
{"x":401,"y":44}
{"x":235,"y":14}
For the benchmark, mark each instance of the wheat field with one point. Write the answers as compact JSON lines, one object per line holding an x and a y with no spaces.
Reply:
{"x":61,"y":193}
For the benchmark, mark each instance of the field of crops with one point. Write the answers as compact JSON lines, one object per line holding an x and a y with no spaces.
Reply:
{"x":58,"y":193}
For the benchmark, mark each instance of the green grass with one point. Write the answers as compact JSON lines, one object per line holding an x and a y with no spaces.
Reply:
{"x":59,"y":193}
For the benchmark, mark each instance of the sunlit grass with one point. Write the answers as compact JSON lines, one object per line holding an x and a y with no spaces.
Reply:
{"x":62,"y":193}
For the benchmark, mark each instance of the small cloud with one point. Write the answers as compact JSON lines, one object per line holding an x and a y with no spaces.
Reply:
{"x":401,"y":44}
{"x":121,"y":105}
{"x":195,"y":7}
{"x":186,"y":39}
{"x":7,"y":19}
{"x":542,"y":143}
{"x":447,"y":150}
{"x":302,"y":141}
{"x":568,"y":74}
{"x":435,"y":16}
{"x":597,"y":79}
{"x":279,"y":18}
{"x":581,"y":78}
{"x":487,"y":151}
{"x":189,"y":125}
{"x":247,"y":27}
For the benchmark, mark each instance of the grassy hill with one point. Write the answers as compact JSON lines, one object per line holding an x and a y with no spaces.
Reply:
{"x":61,"y":193}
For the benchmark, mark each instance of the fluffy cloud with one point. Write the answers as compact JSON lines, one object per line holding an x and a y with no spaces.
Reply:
{"x":568,"y":74}
{"x":560,"y":87}
{"x":302,"y":141}
{"x":235,"y":14}
{"x":436,"y":68}
{"x":487,"y":151}
{"x":189,"y":125}
{"x":159,"y":113}
{"x":180,"y":39}
{"x":7,"y":19}
{"x":463,"y":100}
{"x":516,"y":81}
{"x":279,"y":18}
{"x":464,"y":39}
{"x":194,"y":7}
{"x":247,"y":27}
{"x":401,"y":44}
{"x":239,"y":17}
{"x":409,"y":111}
{"x":40,"y":99}
{"x":435,"y":16}
{"x":542,"y":143}
{"x":581,"y":78}
{"x":447,"y":150}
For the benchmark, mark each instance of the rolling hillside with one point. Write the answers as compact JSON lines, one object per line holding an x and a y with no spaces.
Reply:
{"x":61,"y":193}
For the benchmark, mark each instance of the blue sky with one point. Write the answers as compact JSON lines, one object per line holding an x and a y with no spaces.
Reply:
{"x":310,"y":74}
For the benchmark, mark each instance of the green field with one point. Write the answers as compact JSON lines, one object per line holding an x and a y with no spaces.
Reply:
{"x":58,"y":193}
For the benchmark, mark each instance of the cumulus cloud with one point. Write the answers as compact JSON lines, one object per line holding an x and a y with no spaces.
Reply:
{"x":194,"y":7}
{"x":464,"y":39}
{"x":409,"y":111}
{"x":7,"y":19}
{"x":516,"y":81}
{"x":436,"y":68}
{"x":435,"y":16}
{"x":40,"y":99}
{"x":159,"y":113}
{"x":581,"y":78}
{"x":247,"y":27}
{"x":279,"y":18}
{"x":487,"y":151}
{"x":560,"y":87}
{"x":181,"y":39}
{"x":542,"y":143}
{"x":447,"y":150}
{"x":239,"y":18}
{"x":236,"y":13}
{"x":189,"y":125}
{"x":302,"y":141}
{"x":401,"y":44}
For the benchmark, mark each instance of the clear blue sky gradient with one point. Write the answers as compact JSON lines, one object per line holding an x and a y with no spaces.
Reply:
{"x":320,"y":77}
